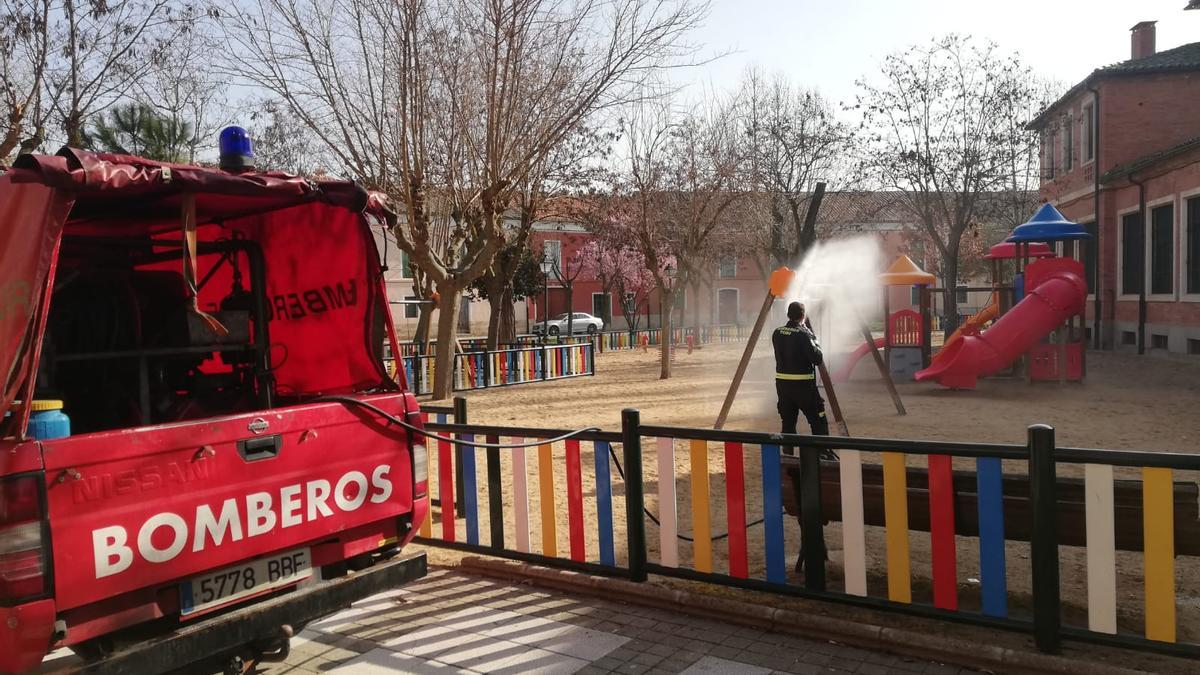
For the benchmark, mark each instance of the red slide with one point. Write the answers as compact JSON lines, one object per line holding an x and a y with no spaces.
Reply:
{"x":843,"y":373}
{"x":1059,"y":292}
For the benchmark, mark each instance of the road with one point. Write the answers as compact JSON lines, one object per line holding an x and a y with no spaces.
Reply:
{"x":452,"y":622}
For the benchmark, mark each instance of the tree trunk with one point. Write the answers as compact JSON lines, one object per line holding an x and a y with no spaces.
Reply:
{"x":950,"y":295}
{"x":448,"y":306}
{"x":13,"y":137}
{"x":507,"y":332}
{"x":421,"y":334}
{"x":496,"y":286}
{"x":73,"y":127}
{"x":570,"y":290}
{"x":666,"y":298}
{"x":495,"y":315}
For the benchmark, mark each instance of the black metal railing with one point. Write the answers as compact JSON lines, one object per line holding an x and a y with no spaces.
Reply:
{"x":973,"y":495}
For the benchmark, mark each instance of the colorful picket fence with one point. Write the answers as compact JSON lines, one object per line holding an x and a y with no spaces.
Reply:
{"x":618,"y":340}
{"x":727,"y":523}
{"x":504,"y":367}
{"x":494,"y":510}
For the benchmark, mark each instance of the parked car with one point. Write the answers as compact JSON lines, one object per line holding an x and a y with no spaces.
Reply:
{"x":578,"y":323}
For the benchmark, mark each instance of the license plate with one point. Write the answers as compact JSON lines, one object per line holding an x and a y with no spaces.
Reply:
{"x":240,"y":581}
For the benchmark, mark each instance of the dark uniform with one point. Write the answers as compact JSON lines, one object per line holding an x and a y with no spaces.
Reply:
{"x":797,"y":355}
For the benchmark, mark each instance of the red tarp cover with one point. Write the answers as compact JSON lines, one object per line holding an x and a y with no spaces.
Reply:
{"x":31,"y":218}
{"x":322,"y":265}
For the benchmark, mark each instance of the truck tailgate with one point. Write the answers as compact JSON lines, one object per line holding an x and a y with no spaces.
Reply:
{"x":136,"y":508}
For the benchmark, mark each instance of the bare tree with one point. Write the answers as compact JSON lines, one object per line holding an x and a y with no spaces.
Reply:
{"x":793,"y":140}
{"x":680,"y":195}
{"x":458,"y":97}
{"x":545,"y":192}
{"x":940,"y":130}
{"x":102,"y":50}
{"x":183,"y":85}
{"x":24,"y":48}
{"x":282,"y":142}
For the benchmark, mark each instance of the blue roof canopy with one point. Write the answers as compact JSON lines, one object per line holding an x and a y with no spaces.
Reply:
{"x":1048,"y":225}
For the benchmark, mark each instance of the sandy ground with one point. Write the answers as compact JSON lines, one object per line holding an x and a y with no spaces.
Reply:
{"x":1127,"y":403}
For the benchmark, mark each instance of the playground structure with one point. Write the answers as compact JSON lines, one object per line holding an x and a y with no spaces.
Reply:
{"x":1045,"y":325}
{"x":906,"y":339}
{"x":1040,"y":332}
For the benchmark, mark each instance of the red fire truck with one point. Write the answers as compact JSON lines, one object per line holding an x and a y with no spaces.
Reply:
{"x":239,"y":461}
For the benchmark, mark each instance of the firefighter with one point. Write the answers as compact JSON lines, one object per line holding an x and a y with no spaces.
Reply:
{"x":797,"y":356}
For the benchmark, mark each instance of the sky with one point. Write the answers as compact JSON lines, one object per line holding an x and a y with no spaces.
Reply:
{"x":828,"y":44}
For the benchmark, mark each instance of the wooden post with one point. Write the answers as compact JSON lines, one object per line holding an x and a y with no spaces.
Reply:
{"x":926,"y":327}
{"x":827,"y":381}
{"x":883,"y":370}
{"x":745,"y":361}
{"x":1063,"y":332}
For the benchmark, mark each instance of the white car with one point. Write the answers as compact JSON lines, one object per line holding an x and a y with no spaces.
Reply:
{"x":579,"y":323}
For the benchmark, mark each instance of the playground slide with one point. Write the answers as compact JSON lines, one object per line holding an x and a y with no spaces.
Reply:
{"x":843,"y":373}
{"x":971,"y":326}
{"x":1060,"y":294}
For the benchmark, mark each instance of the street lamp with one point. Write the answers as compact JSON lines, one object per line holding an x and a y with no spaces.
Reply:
{"x":547,"y":268}
{"x":670,"y":271}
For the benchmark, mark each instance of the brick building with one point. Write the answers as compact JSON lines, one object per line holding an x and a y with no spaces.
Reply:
{"x":1122,"y":149}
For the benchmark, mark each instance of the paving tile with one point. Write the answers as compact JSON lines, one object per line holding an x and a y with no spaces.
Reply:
{"x":430,"y":642}
{"x":711,"y":665}
{"x":363,"y":609}
{"x":455,"y":623}
{"x":647,"y":659}
{"x":608,"y":663}
{"x":386,"y":662}
{"x":723,"y":652}
{"x":632,"y":669}
{"x":557,"y":636}
{"x":874,"y":669}
{"x":662,"y":649}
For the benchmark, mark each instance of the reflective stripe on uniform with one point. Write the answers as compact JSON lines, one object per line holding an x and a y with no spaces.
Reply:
{"x":795,"y":376}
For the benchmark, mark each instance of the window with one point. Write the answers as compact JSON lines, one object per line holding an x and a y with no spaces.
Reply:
{"x":1132,"y":256}
{"x":1158,"y":341}
{"x":1193,"y":346}
{"x":1087,"y":256}
{"x":411,"y":311}
{"x":1068,"y":143}
{"x":1048,"y":154}
{"x":602,"y":306}
{"x":728,"y":268}
{"x":1087,"y":133}
{"x":960,"y":294}
{"x":405,"y":265}
{"x":1128,"y":337}
{"x":914,"y":295}
{"x":552,"y":251}
{"x":1192,"y":278}
{"x":1162,"y":249}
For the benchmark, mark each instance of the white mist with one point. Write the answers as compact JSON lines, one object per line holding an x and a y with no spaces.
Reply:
{"x":838,"y":282}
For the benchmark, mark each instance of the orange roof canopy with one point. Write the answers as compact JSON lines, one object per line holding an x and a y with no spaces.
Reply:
{"x":904,"y":272}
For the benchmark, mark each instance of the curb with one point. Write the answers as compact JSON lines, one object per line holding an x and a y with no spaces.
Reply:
{"x":957,"y":651}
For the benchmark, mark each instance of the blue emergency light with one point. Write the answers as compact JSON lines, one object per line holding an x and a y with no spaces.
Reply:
{"x":237,"y":152}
